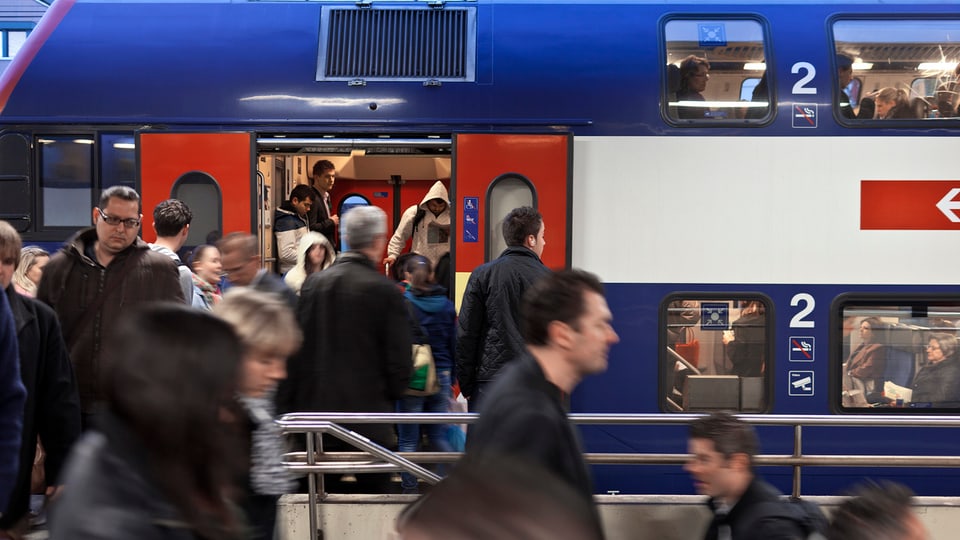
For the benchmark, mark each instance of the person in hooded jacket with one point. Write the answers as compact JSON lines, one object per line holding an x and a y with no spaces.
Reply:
{"x":315,"y":253}
{"x":428,"y":223}
{"x":434,"y":317}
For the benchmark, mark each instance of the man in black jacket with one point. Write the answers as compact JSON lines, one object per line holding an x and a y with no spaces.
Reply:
{"x":744,"y":506}
{"x":489,"y":326}
{"x":52,"y":409}
{"x":356,"y":350}
{"x":567,"y":327}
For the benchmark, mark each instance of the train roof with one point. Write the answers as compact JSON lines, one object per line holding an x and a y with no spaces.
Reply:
{"x":230,"y":63}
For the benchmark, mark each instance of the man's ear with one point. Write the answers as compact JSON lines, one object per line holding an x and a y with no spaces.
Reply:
{"x":531,"y":241}
{"x":739,"y":461}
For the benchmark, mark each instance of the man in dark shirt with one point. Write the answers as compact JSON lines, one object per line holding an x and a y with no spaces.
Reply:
{"x":567,"y":327}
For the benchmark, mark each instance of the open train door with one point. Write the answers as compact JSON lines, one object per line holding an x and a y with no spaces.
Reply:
{"x":494,"y":173}
{"x":213,"y":173}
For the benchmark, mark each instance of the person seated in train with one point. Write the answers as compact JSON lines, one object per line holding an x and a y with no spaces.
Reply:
{"x":761,"y":94}
{"x":938,"y":383}
{"x":844,"y":76}
{"x":944,"y":101}
{"x":694,"y":73}
{"x":291,"y":225}
{"x":746,"y":343}
{"x":428,"y":223}
{"x":892,"y":103}
{"x":864,"y":368}
{"x":877,"y":511}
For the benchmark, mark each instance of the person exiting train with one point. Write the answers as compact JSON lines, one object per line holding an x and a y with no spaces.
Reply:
{"x":428,"y":223}
{"x":488,"y":336}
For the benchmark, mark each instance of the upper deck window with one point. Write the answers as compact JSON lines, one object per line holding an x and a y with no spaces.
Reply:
{"x":708,"y":62}
{"x":907,"y":69}
{"x":12,"y":37}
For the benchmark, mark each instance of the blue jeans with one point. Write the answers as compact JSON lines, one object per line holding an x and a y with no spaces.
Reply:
{"x":408,"y":435}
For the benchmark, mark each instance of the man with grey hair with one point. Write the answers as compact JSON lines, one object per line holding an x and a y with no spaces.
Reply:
{"x":356,"y":351}
{"x":96,"y":278}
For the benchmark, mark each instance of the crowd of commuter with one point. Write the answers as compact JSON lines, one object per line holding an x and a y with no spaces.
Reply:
{"x":150,"y":381}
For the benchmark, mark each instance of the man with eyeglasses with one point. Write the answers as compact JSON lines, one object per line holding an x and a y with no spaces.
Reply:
{"x":97,"y":278}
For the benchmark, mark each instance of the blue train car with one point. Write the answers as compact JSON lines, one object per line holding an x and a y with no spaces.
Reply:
{"x":752,"y":180}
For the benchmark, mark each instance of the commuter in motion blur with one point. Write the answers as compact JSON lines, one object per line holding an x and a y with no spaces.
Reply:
{"x":127,"y":273}
{"x":357,"y":346}
{"x":489,"y":337}
{"x":744,"y":507}
{"x":878,"y":511}
{"x":568,"y":331}
{"x":52,"y":409}
{"x":160,"y":462}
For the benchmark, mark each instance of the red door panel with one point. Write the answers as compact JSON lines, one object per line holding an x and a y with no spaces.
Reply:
{"x":545,"y":160}
{"x":228,"y":158}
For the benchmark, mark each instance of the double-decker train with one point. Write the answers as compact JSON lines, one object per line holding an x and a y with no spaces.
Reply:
{"x":751,"y":179}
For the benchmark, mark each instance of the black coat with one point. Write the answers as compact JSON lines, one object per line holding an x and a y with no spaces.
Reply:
{"x":489,"y":333}
{"x":938,"y":383}
{"x":745,"y":521}
{"x":524,"y":418}
{"x":356,"y":354}
{"x":53,"y":407}
{"x":319,"y":219}
{"x":110,"y":494}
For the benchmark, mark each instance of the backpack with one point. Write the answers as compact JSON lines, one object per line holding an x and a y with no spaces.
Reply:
{"x":418,"y":218}
{"x":804,"y":513}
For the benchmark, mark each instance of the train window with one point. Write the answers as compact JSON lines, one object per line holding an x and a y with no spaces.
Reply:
{"x":66,"y":179}
{"x":15,"y":182}
{"x":505,"y":193}
{"x":709,"y":63}
{"x":895,"y":353}
{"x":907,"y":69}
{"x":715,"y":352}
{"x":12,"y":39}
{"x":200,"y":190}
{"x":118,"y":160}
{"x":350,"y":201}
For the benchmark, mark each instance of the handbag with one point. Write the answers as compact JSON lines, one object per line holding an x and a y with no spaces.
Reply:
{"x":423,"y":379}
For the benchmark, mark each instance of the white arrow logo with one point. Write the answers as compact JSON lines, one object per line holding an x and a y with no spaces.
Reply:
{"x":947,"y":205}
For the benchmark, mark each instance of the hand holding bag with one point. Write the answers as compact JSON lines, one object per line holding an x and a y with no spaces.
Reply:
{"x":423,"y":379}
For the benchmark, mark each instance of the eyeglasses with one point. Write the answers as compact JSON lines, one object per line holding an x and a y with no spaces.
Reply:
{"x":129,"y":223}
{"x":933,"y":347}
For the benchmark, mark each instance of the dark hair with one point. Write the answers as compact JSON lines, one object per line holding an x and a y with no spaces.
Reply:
{"x":170,"y":371}
{"x":303,"y":192}
{"x":557,"y":296}
{"x":170,"y":217}
{"x":527,"y":500}
{"x":322,"y":165}
{"x":844,"y":62}
{"x":197,"y":254}
{"x":121,"y":192}
{"x":419,"y":268}
{"x":729,"y":434}
{"x":689,"y":67}
{"x":521,"y":223}
{"x":875,"y":511}
{"x":400,"y":266}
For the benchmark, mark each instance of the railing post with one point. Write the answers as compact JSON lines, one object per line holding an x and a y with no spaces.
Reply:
{"x":797,"y":452}
{"x":312,"y":484}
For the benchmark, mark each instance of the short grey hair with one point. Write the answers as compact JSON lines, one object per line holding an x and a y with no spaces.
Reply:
{"x":362,"y":225}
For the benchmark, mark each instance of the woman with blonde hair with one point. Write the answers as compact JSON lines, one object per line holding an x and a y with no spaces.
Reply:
{"x":314,"y":253}
{"x":268,"y":334}
{"x":26,"y":277}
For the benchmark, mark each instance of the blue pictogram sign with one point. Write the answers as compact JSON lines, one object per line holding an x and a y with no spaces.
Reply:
{"x":712,"y":35}
{"x":714,"y":316}
{"x":801,"y":383}
{"x":471,"y":219}
{"x":801,"y":348}
{"x":804,"y":115}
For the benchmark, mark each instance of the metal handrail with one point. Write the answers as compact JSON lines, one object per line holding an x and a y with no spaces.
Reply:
{"x":315,"y":423}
